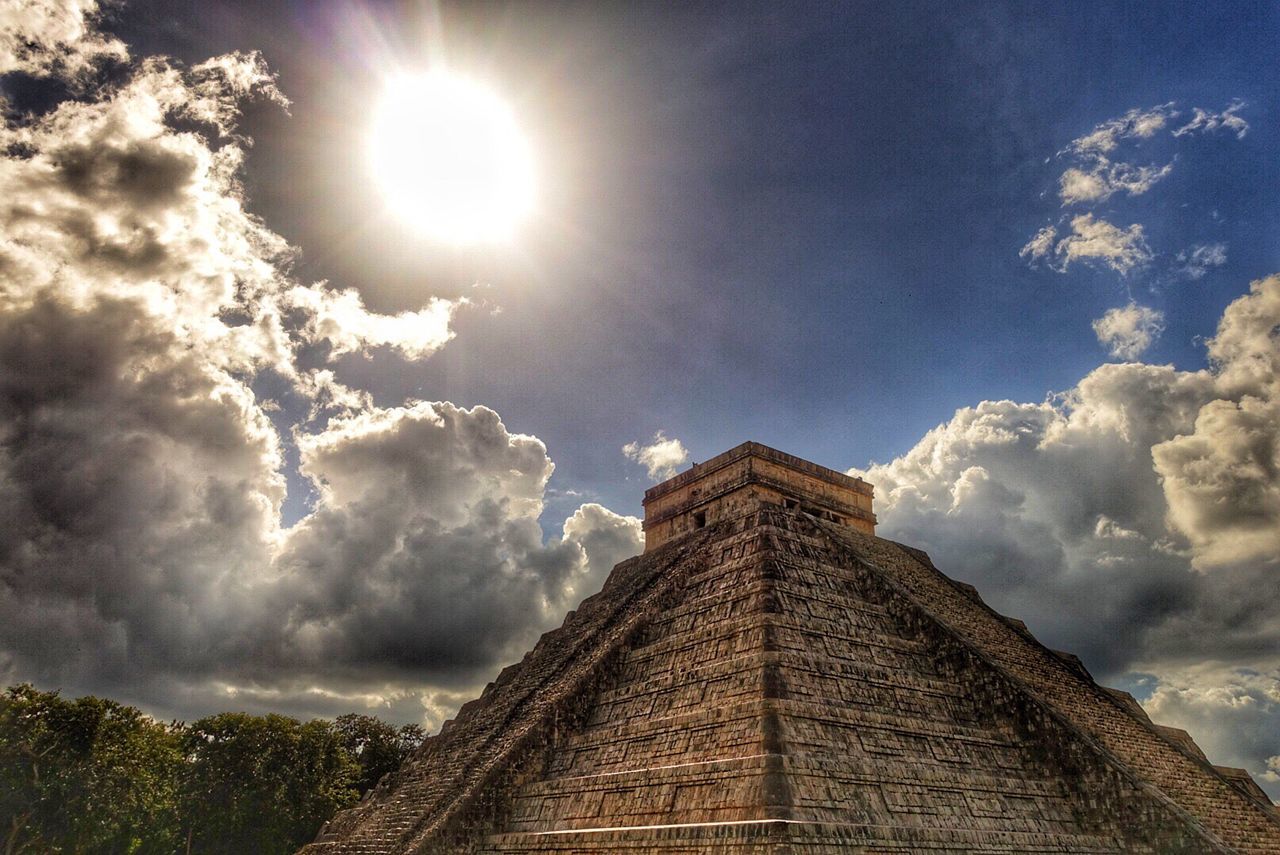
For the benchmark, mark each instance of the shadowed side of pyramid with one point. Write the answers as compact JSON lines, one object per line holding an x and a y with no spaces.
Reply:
{"x":1056,"y":694}
{"x":769,"y":677}
{"x":458,"y":779}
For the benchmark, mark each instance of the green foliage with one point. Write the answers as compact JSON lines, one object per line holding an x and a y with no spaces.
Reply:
{"x":92,"y":775}
{"x":378,"y":747}
{"x":262,"y":783}
{"x":88,"y":775}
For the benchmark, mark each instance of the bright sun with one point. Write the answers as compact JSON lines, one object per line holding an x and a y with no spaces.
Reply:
{"x":450,"y":159}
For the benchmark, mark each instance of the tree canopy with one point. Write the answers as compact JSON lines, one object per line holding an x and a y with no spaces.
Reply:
{"x":93,"y":775}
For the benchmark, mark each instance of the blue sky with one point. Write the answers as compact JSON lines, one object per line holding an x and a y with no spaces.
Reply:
{"x":797,"y":228}
{"x":1015,"y":263}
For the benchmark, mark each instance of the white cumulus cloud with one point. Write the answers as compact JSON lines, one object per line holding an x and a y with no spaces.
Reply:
{"x":1101,"y":179}
{"x":1223,"y":476}
{"x":1129,"y":330}
{"x":1098,"y":170}
{"x":53,"y":37}
{"x":606,"y":539}
{"x":1133,"y":519}
{"x":142,"y":550}
{"x":340,"y":318}
{"x":1135,"y":124}
{"x":1098,"y":240}
{"x":1041,"y":246}
{"x":661,"y":457}
{"x":1093,"y":241}
{"x":1230,"y":712}
{"x":1204,"y":121}
{"x":424,"y":559}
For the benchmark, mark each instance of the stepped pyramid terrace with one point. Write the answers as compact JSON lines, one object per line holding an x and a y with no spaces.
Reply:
{"x":771,"y":677}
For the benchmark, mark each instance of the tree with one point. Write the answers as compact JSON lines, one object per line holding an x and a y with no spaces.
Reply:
{"x":262,"y":784}
{"x":88,"y":775}
{"x":92,"y":775}
{"x":376,"y":746}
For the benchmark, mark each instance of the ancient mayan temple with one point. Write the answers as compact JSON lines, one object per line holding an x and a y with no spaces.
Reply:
{"x":770,"y":677}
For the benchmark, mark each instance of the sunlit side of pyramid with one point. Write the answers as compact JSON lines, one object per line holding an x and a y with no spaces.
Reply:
{"x":771,"y":677}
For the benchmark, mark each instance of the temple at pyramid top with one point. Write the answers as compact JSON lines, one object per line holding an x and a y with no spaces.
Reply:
{"x":771,"y":678}
{"x":724,"y":485}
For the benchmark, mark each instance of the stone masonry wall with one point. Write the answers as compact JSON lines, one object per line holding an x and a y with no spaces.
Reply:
{"x":461,"y":772}
{"x":790,"y":701}
{"x":729,"y":484}
{"x":774,"y":683}
{"x":1167,"y":771}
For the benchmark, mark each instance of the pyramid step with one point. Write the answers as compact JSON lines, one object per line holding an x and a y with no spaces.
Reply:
{"x":814,"y":678}
{"x":779,"y":836}
{"x":731,"y":602}
{"x":756,"y":585}
{"x":736,"y":729}
{"x":804,"y":669}
{"x":793,"y":713}
{"x":821,"y":619}
{"x":1184,"y":778}
{"x":736,"y":635}
{"x":674,"y":773}
{"x":785,"y":575}
{"x":862,"y":671}
{"x":738,"y":838}
{"x":844,"y":625}
{"x":807,"y":603}
{"x":718,"y":791}
{"x":671,"y":692}
{"x":726,"y":640}
{"x":881,"y":668}
{"x":727,"y":730}
{"x":707,"y":621}
{"x":815,"y":728}
{"x":908,"y":702}
{"x":923,"y":772}
{"x":822,"y":789}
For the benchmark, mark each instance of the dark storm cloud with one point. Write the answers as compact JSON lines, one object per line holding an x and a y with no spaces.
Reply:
{"x":137,"y":491}
{"x":425,"y":556}
{"x":141,"y":551}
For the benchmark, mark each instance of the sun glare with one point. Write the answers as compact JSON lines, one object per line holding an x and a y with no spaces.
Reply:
{"x":450,"y":159}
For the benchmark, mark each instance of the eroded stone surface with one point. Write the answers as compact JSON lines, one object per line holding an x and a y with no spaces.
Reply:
{"x":732,"y":483}
{"x":778,"y":682}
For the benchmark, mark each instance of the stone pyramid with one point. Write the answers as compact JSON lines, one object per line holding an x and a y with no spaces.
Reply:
{"x":770,"y":677}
